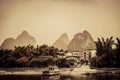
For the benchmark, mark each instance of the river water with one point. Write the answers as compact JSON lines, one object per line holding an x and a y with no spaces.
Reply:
{"x":59,"y":77}
{"x":101,"y":74}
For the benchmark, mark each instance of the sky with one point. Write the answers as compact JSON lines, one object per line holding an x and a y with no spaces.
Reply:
{"x":46,"y":20}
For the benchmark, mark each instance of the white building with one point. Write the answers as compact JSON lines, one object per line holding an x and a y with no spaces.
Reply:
{"x":88,"y":54}
{"x":85,"y":55}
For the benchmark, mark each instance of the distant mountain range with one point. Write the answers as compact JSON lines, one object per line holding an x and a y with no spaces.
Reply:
{"x":62,"y":42}
{"x":23,"y":39}
{"x":80,"y":41}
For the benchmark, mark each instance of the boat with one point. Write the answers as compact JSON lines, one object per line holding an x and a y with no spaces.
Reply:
{"x":51,"y":71}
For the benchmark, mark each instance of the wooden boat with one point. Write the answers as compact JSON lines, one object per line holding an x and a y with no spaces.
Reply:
{"x":52,"y":70}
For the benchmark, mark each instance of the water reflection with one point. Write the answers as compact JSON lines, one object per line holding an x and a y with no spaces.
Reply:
{"x":93,"y":76}
{"x":102,"y":76}
{"x":56,"y":77}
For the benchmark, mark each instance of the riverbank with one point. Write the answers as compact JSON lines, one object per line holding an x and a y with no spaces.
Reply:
{"x":79,"y":71}
{"x":38,"y":71}
{"x":64,"y":71}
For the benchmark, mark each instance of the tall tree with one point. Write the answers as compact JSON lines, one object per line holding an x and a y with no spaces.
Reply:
{"x":104,"y":51}
{"x":117,"y":51}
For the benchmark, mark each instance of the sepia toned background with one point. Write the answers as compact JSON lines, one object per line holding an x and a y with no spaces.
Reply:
{"x":48,"y":19}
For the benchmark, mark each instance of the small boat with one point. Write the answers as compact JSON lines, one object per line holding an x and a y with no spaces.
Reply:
{"x":51,"y":71}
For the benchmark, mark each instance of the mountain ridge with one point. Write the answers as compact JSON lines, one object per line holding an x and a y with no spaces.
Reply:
{"x":82,"y":41}
{"x":22,"y":39}
{"x":62,"y":42}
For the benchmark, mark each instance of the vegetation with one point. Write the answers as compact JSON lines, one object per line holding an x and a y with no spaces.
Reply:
{"x":29,"y":56}
{"x":108,"y":53}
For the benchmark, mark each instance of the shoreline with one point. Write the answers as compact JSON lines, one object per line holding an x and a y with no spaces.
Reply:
{"x":64,"y":71}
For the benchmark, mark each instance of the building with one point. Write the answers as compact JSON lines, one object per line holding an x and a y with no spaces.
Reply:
{"x":88,"y":54}
{"x":79,"y":55}
{"x":85,"y":55}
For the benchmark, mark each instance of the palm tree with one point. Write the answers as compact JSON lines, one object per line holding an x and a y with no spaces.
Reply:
{"x":104,"y":50}
{"x":117,"y":55}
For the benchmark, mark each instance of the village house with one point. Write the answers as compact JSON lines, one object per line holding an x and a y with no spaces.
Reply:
{"x":81,"y":55}
{"x":77,"y":56}
{"x":88,"y":54}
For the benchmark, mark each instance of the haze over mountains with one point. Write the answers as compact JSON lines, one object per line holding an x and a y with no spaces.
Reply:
{"x":23,"y":39}
{"x":62,"y":42}
{"x":80,"y":41}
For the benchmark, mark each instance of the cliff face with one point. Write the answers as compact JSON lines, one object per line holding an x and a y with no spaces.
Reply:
{"x":23,"y":39}
{"x":82,"y":41}
{"x":62,"y":42}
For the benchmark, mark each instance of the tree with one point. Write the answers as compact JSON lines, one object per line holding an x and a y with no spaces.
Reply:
{"x":28,"y":56}
{"x":105,"y":52}
{"x":62,"y":63}
{"x":117,"y":53}
{"x":104,"y":46}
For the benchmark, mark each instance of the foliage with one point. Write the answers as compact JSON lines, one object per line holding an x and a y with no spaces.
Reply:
{"x":28,"y":56}
{"x":62,"y":63}
{"x":107,"y":56}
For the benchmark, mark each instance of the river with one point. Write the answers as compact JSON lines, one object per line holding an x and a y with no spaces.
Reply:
{"x":35,"y":74}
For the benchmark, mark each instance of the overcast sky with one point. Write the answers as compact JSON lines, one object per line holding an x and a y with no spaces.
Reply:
{"x":46,"y":20}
